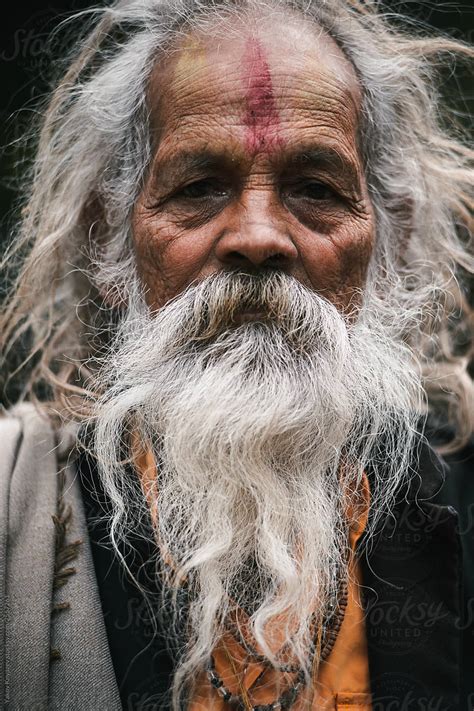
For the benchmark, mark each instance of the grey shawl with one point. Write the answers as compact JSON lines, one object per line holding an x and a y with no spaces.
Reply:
{"x":54,"y":653}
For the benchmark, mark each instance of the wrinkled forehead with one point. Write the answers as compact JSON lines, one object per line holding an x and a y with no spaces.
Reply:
{"x":268,"y":67}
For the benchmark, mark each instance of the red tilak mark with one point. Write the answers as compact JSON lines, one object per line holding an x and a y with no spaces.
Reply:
{"x":261,"y":117}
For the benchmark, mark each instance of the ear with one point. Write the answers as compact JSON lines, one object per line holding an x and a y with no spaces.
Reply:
{"x":94,"y":223}
{"x":403,"y":217}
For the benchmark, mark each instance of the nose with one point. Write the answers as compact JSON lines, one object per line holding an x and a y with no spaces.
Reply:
{"x":256,"y":239}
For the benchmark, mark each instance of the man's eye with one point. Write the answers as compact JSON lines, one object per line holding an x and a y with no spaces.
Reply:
{"x":314,"y":191}
{"x":202,"y":189}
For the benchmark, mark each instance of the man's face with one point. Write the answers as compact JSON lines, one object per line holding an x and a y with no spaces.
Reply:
{"x":256,"y":164}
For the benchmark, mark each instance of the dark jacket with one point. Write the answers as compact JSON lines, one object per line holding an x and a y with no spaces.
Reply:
{"x":420,"y":591}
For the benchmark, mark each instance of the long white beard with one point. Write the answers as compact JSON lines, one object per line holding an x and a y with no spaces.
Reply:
{"x":260,"y":431}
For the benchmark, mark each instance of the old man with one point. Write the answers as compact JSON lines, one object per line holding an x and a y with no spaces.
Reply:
{"x":242,"y":301}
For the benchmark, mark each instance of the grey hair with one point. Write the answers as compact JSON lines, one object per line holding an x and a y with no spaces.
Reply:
{"x":94,"y":149}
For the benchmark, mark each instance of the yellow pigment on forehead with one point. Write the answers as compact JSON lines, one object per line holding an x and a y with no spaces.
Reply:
{"x":191,"y":58}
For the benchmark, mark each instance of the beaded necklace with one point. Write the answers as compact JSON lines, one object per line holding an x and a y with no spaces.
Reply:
{"x":320,"y":650}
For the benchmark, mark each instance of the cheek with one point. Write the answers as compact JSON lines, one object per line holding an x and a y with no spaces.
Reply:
{"x":337,"y":264}
{"x":168,"y":258}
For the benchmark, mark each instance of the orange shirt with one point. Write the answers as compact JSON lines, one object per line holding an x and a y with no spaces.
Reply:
{"x":342,"y":681}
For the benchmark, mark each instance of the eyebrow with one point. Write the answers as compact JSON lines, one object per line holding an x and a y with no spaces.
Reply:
{"x":192,"y":161}
{"x":328,"y":158}
{"x":312,"y":156}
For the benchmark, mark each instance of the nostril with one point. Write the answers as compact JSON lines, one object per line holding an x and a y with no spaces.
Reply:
{"x":262,"y":247}
{"x":236,"y":256}
{"x":276,"y":260}
{"x":269,"y":260}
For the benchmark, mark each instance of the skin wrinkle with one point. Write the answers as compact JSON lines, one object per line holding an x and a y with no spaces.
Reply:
{"x":257,"y":208}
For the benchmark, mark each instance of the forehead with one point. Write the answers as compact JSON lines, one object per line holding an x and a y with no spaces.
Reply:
{"x":257,"y":87}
